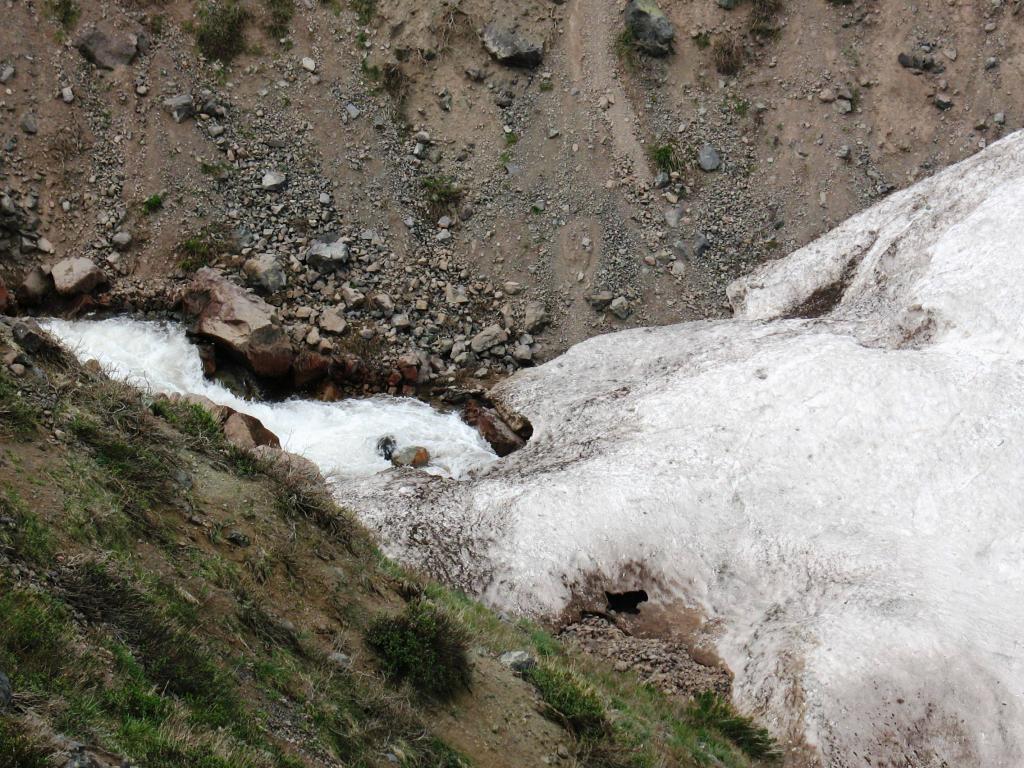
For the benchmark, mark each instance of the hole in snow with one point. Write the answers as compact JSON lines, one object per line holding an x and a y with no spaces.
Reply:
{"x":626,"y":602}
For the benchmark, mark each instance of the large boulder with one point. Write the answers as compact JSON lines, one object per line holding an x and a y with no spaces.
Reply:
{"x":35,"y":287}
{"x":512,"y":48}
{"x":238,"y":322}
{"x":73,"y":277}
{"x":492,"y":428}
{"x":650,"y":28}
{"x":265,"y":272}
{"x":108,"y":48}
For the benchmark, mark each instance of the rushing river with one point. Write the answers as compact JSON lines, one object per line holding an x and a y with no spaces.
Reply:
{"x":340,"y":438}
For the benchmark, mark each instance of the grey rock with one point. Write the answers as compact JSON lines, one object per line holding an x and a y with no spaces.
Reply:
{"x":674,"y":215}
{"x":942,"y":101}
{"x":121,"y":240}
{"x":328,"y":257}
{"x":67,"y":95}
{"x":7,"y":72}
{"x":333,"y":320}
{"x":489,"y":337}
{"x":650,"y":28}
{"x":522,"y":353}
{"x":728,"y":4}
{"x":600,"y":300}
{"x":107,"y":48}
{"x":351,"y":296}
{"x":620,"y":307}
{"x":708,"y":158}
{"x":518,"y":661}
{"x":340,"y":660}
{"x":265,"y":272}
{"x":179,"y":107}
{"x":273,"y":181}
{"x":29,"y":124}
{"x":510,"y":48}
{"x":536,"y":316}
{"x":662,"y":180}
{"x":72,"y":277}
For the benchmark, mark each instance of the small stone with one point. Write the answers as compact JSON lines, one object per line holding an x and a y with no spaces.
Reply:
{"x":29,"y":124}
{"x":179,"y":107}
{"x":67,"y":95}
{"x":708,"y":158}
{"x":620,"y":307}
{"x":121,"y":239}
{"x":340,"y":660}
{"x":942,"y":101}
{"x":308,"y":64}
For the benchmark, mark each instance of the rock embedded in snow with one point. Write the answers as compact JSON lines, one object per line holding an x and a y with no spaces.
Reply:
{"x":832,"y":478}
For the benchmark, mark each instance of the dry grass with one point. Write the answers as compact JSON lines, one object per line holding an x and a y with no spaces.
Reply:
{"x":727,"y":54}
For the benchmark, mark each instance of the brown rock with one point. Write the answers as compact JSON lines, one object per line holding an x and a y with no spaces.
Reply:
{"x":309,"y":368}
{"x":492,"y":428}
{"x":5,"y":297}
{"x":291,"y":465}
{"x":247,"y":432}
{"x":409,"y":367}
{"x":239,"y":322}
{"x":35,"y":287}
{"x":108,"y":48}
{"x":411,"y":456}
{"x":72,"y":277}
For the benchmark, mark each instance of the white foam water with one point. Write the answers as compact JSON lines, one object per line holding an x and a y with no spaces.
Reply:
{"x":340,"y":438}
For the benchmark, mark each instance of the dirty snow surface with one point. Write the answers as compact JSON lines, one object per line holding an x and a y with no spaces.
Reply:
{"x":835,"y":477}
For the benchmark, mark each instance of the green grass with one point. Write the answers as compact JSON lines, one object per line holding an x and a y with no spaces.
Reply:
{"x":441,"y":193}
{"x":666,"y":157}
{"x":64,"y":12}
{"x":18,"y":417}
{"x":625,"y":49}
{"x":702,"y":40}
{"x":365,"y":10}
{"x":711,"y":711}
{"x":570,"y":699}
{"x":26,"y":536}
{"x":192,"y":420}
{"x":425,"y":646}
{"x":202,"y":248}
{"x":279,"y":15}
{"x":511,"y":139}
{"x":34,"y":636}
{"x":220,"y":34}
{"x":152,"y":204}
{"x":18,"y":750}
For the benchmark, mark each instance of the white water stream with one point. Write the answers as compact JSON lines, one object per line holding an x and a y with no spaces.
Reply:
{"x":340,"y":438}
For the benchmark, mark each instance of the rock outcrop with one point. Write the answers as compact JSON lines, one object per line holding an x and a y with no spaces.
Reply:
{"x":511,"y":48}
{"x":650,"y":28}
{"x":238,"y":322}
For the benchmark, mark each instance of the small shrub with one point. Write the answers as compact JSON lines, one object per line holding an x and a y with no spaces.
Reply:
{"x":220,"y":34}
{"x":153,"y":203}
{"x":442,"y":193}
{"x":425,"y":646}
{"x":511,"y":139}
{"x":727,"y":54}
{"x":711,"y":711}
{"x":64,"y":12}
{"x":570,"y":699}
{"x":279,"y":16}
{"x":625,"y":48}
{"x":763,"y":21}
{"x":665,"y":157}
{"x":702,"y":40}
{"x":202,"y":249}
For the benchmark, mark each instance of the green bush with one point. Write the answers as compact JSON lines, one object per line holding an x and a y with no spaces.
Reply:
{"x":279,"y":16}
{"x":711,"y":711}
{"x":221,"y":31}
{"x":28,"y":538}
{"x":64,"y":12}
{"x":665,"y":157}
{"x":365,"y":10}
{"x":425,"y":646}
{"x":442,"y":193}
{"x":570,"y":699}
{"x":153,"y":203}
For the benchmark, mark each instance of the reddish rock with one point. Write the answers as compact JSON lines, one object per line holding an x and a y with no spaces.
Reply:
{"x":409,"y":367}
{"x":5,"y":297}
{"x":239,"y":322}
{"x":248,"y":432}
{"x":309,"y":368}
{"x":492,"y":427}
{"x":411,"y":456}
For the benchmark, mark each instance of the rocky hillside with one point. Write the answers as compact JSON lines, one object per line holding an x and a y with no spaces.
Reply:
{"x":169,"y":599}
{"x":470,"y":184}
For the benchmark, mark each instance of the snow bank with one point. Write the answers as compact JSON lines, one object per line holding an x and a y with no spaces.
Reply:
{"x":836,"y":477}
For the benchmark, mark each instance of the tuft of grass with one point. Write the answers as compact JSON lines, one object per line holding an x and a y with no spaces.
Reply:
{"x":666,"y":157}
{"x":727,"y":55}
{"x":34,"y":635}
{"x":702,"y":40}
{"x":764,"y":17}
{"x":442,"y":193}
{"x":64,"y":12}
{"x":570,"y":699}
{"x":279,"y":14}
{"x":22,"y":532}
{"x":18,"y":750}
{"x":191,"y":419}
{"x":365,"y":10}
{"x":153,"y":203}
{"x":220,"y":33}
{"x":625,"y":49}
{"x":425,"y":646}
{"x":202,"y":248}
{"x":18,"y":417}
{"x":511,"y":139}
{"x":712,"y":711}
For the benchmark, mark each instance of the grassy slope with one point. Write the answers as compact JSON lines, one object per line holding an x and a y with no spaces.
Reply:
{"x":166,"y":598}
